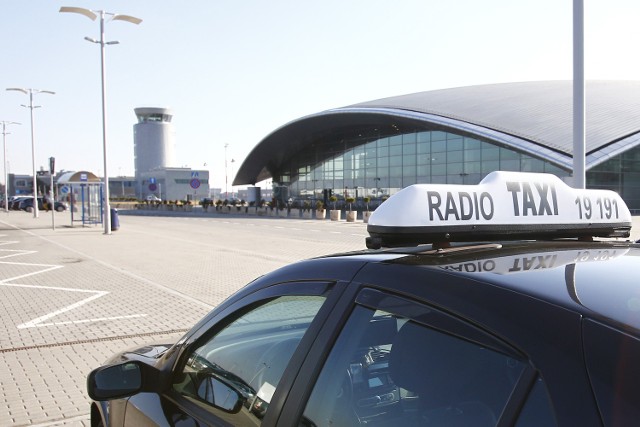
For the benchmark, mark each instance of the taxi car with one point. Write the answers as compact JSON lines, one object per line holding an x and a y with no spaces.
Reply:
{"x":514,"y":302}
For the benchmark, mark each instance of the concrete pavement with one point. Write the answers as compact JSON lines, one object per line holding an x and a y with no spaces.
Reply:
{"x":73,"y":296}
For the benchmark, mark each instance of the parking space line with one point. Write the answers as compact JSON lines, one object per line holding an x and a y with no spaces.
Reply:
{"x":125,"y":272}
{"x":38,"y":320}
{"x":14,"y":252}
{"x":33,"y":273}
{"x":44,"y":268}
{"x":77,"y":322}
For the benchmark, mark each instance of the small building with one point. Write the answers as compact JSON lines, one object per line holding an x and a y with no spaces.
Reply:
{"x":175,"y":184}
{"x":20,"y":185}
{"x":122,"y":187}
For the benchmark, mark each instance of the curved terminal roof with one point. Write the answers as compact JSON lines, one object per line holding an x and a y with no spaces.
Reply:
{"x":533,"y":117}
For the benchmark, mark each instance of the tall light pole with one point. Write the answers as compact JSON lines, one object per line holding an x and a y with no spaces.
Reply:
{"x":93,"y":14}
{"x":226,"y":174}
{"x":30,"y":92}
{"x":232,"y":191}
{"x":6,"y":176}
{"x":579,"y":103}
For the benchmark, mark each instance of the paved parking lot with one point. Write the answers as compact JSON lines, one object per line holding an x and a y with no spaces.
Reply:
{"x":73,"y":296}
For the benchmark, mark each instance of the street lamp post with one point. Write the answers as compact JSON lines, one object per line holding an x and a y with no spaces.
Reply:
{"x":91,"y":14}
{"x":6,"y":176}
{"x":226,"y":173}
{"x":30,"y":92}
{"x":233,"y":194}
{"x":579,"y":102}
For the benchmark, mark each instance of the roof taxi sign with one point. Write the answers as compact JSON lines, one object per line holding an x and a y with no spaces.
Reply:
{"x":505,"y":205}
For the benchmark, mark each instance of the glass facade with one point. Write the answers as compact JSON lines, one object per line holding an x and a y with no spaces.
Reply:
{"x":620,"y":174}
{"x":379,"y":167}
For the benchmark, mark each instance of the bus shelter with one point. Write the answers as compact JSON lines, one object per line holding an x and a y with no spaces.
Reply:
{"x":83,"y":191}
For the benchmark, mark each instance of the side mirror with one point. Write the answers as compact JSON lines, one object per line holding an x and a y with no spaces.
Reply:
{"x":219,"y":394}
{"x":115,"y":381}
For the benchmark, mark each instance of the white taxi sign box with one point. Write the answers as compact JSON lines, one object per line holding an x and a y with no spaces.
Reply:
{"x":505,"y":205}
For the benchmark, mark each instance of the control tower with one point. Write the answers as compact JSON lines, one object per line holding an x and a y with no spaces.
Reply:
{"x":153,"y":139}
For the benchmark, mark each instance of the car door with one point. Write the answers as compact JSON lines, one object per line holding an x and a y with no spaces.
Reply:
{"x":397,"y":361}
{"x":241,"y":354}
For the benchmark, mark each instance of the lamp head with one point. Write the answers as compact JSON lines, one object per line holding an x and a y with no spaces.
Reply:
{"x":127,"y":18}
{"x":19,"y":89}
{"x":80,"y":10}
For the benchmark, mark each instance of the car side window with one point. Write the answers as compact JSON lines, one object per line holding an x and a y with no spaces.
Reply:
{"x":537,"y":410}
{"x":386,"y":369}
{"x":235,"y":373}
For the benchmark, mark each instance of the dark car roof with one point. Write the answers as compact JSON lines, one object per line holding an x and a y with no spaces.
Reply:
{"x":569,"y":273}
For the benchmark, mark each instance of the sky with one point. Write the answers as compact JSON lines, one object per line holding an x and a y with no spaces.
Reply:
{"x":233,"y":71}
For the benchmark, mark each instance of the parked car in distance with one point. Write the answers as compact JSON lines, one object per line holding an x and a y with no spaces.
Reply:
{"x":27,"y":205}
{"x":153,"y":198}
{"x":14,"y":202}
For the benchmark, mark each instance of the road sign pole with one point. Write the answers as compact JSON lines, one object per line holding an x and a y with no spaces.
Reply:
{"x":52,"y":167}
{"x":53,"y":205}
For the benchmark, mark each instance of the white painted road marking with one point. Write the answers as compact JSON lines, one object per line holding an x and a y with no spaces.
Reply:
{"x":39,"y":322}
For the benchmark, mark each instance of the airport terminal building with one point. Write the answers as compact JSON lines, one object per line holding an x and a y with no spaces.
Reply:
{"x":453,"y":136}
